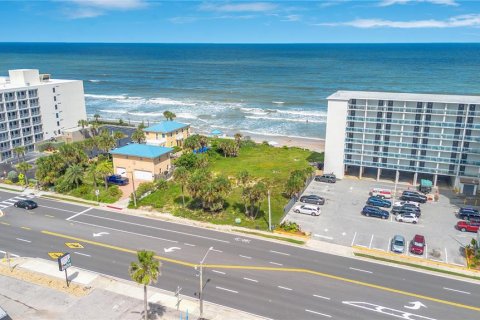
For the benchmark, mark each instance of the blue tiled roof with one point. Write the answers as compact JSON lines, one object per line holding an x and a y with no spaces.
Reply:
{"x":142,"y":150}
{"x":166,"y":127}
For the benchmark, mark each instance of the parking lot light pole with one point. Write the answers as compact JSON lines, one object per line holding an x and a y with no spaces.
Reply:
{"x":200,"y":294}
{"x":269,"y":213}
{"x":134,"y":193}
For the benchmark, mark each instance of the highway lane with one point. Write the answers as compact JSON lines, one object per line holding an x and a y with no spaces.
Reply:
{"x":259,"y":251}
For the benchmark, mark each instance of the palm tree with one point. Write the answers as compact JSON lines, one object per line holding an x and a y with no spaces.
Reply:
{"x":105,"y":141}
{"x":92,"y":172}
{"x":19,"y":151}
{"x":181,"y":175}
{"x":89,"y":145}
{"x":72,"y":153}
{"x":138,"y":136}
{"x":74,"y":175}
{"x":192,"y":142}
{"x":238,"y":138}
{"x":203,"y":141}
{"x":95,"y":126}
{"x":146,"y":271}
{"x":169,"y":115}
{"x":82,"y":123}
{"x":118,"y":135}
{"x":141,"y":125}
{"x":294,"y":184}
{"x":24,"y":167}
{"x":105,"y":169}
{"x":96,"y":116}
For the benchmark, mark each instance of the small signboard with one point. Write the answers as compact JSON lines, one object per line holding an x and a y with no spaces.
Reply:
{"x":64,"y":262}
{"x":97,"y":192}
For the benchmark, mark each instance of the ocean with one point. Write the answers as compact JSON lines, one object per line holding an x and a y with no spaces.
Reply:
{"x":272,"y":90}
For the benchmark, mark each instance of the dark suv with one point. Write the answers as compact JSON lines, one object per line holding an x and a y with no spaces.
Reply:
{"x":328,"y":177}
{"x":413,"y":196}
{"x":371,"y":211}
{"x":313,"y":199}
{"x":407,"y":207}
{"x":468,"y":213}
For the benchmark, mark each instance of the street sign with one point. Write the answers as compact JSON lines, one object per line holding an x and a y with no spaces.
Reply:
{"x":55,"y":255}
{"x":97,"y":192}
{"x":74,"y":245}
{"x":64,"y":262}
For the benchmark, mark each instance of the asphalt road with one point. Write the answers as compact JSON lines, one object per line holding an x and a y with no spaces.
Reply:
{"x":268,"y":279}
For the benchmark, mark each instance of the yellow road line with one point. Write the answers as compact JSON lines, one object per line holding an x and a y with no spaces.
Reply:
{"x":5,"y":223}
{"x":26,"y":228}
{"x":297,"y":270}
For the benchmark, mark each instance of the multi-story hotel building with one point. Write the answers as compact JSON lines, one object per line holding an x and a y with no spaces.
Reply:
{"x":424,"y":135}
{"x":34,"y":107}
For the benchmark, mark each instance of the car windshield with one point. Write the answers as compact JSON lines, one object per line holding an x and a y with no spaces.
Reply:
{"x":417,"y":244}
{"x":398,"y":242}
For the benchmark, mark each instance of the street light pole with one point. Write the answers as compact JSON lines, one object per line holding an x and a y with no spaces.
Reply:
{"x":200,"y":294}
{"x":134,"y":194}
{"x":269,"y":213}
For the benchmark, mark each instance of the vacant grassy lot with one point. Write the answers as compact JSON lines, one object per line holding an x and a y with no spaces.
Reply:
{"x":263,"y":162}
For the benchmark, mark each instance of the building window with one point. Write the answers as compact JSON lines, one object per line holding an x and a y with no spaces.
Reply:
{"x":466,"y":144}
{"x":416,"y":129}
{"x":425,"y":141}
{"x":375,"y":159}
{"x":53,"y":89}
{"x":376,"y":148}
{"x":461,"y":107}
{"x":419,"y":105}
{"x":415,"y":140}
{"x":386,"y":138}
{"x":379,"y":114}
{"x":462,"y":169}
{"x":423,"y":152}
{"x":418,"y":117}
{"x":390,"y":103}
{"x":58,"y":123}
{"x":426,"y":129}
{"x":453,"y":155}
{"x":380,"y":103}
{"x":421,"y":164}
{"x":472,"y":107}
{"x":377,"y":137}
{"x":379,"y":126}
{"x":470,"y":120}
{"x":353,"y":101}
{"x":429,"y":105}
{"x":428,"y":117}
{"x":56,"y":115}
{"x":56,"y":107}
{"x":451,"y":168}
{"x":459,"y":119}
{"x":352,"y":124}
{"x":468,"y":132}
{"x":388,"y":126}
{"x":54,"y":98}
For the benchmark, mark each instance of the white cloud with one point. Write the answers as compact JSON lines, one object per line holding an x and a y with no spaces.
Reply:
{"x":83,"y":13}
{"x":386,"y":3}
{"x":292,"y":18}
{"x":469,"y":20}
{"x":111,"y":4}
{"x":239,"y":7}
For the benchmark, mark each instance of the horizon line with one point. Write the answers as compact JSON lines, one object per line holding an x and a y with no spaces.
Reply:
{"x":232,"y":43}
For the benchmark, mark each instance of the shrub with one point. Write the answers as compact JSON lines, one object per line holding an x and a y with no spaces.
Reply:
{"x":13,"y":176}
{"x":290,"y":226}
{"x":143,"y":190}
{"x":187,"y":160}
{"x":176,"y":149}
{"x":87,"y":192}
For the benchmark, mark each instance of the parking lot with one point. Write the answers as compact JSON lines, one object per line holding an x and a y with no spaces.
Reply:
{"x":341,"y":221}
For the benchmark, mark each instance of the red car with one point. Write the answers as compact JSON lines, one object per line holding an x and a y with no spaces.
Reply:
{"x":417,"y":245}
{"x":471,"y":226}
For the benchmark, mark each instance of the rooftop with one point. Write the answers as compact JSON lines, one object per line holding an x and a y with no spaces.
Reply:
{"x":24,"y":78}
{"x":142,"y":150}
{"x":400,"y":96}
{"x":166,"y":127}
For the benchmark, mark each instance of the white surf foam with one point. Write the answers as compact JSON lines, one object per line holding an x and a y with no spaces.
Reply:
{"x":169,"y":102}
{"x":284,"y":119}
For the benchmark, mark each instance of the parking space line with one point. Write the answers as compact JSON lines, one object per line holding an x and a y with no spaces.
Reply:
{"x":360,"y":270}
{"x":319,"y":313}
{"x":324,"y":237}
{"x":251,"y":280}
{"x":371,"y":240}
{"x":460,"y":291}
{"x":219,"y":272}
{"x":446,"y":256}
{"x":388,"y":243}
{"x":353,"y":240}
{"x":321,"y":297}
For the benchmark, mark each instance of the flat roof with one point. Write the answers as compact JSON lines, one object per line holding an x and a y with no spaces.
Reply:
{"x":166,"y":127}
{"x":402,"y":96}
{"x":10,"y":86}
{"x":142,"y":150}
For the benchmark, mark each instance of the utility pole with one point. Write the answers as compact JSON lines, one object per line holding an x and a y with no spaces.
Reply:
{"x":269,"y":212}
{"x":200,"y":294}
{"x":134,"y":194}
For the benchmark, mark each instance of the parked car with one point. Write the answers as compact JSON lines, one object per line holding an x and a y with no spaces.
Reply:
{"x":413,"y":196}
{"x":313,"y":199}
{"x":407,"y":217}
{"x":26,"y":204}
{"x":118,"y":180}
{"x":381,"y":192}
{"x":467,"y":213}
{"x":470,"y":226}
{"x":307,"y":209}
{"x":398,"y":244}
{"x":379,"y":202}
{"x":328,"y":177}
{"x":406,"y":210}
{"x":417,"y":245}
{"x":401,"y":203}
{"x":371,"y":211}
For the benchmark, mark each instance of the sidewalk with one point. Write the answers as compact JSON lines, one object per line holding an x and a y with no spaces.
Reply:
{"x":37,"y":290}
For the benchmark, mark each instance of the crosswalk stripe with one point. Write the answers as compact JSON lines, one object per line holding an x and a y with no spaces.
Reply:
{"x":7,"y":202}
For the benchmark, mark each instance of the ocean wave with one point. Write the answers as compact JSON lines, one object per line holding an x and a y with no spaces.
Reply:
{"x":169,"y":102}
{"x":284,"y":119}
{"x":113,"y":111}
{"x":94,"y":81}
{"x":146,"y":114}
{"x":105,"y":96}
{"x":278,"y":102}
{"x":262,"y":133}
{"x":186,"y":115}
{"x":308,"y":113}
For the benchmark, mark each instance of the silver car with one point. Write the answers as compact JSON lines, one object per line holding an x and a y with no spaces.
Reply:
{"x":398,"y":244}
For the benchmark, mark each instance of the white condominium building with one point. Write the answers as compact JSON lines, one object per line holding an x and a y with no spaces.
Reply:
{"x":34,"y":107}
{"x":427,"y":136}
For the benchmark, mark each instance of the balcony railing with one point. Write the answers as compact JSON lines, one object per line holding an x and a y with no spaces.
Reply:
{"x":413,"y":122}
{"x":408,"y":110}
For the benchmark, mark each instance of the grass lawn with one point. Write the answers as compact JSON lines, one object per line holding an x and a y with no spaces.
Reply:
{"x":263,"y":162}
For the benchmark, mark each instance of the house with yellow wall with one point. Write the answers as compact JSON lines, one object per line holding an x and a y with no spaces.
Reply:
{"x":167,"y":134}
{"x":141,"y":161}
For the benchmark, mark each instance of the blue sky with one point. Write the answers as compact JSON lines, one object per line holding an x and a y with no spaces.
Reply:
{"x":240,"y":21}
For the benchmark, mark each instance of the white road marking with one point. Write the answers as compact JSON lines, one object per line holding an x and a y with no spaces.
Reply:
{"x":42,"y":206}
{"x":225,"y":289}
{"x":460,"y":291}
{"x":216,"y":250}
{"x":190,"y":245}
{"x":11,"y":254}
{"x":246,"y":257}
{"x":284,"y":288}
{"x":388,"y":243}
{"x":129,"y":232}
{"x":157,"y":228}
{"x":361,"y":270}
{"x":353,"y":240}
{"x":277,"y":264}
{"x":321,"y":297}
{"x":319,"y":313}
{"x":324,"y":237}
{"x":446,"y":256}
{"x":82,"y":254}
{"x":371,"y":240}
{"x":216,"y":271}
{"x":50,"y":216}
{"x":252,"y":280}
{"x":285,"y":254}
{"x":20,"y":239}
{"x":8,"y":202}
{"x":77,"y":213}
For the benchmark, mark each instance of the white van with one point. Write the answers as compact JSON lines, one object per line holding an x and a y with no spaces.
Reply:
{"x":381,"y":192}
